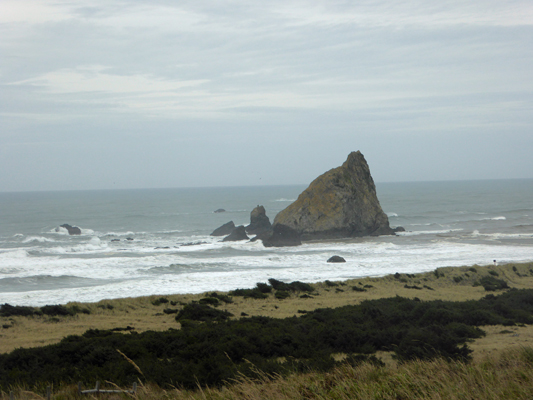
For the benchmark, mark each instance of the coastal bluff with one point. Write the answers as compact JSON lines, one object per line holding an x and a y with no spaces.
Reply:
{"x":340,"y":203}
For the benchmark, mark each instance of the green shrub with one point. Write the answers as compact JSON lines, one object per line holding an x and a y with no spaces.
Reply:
{"x":358,"y":289}
{"x":7,"y":310}
{"x":494,"y":273}
{"x":263,"y":287}
{"x":159,"y":301}
{"x":490,"y":283}
{"x":209,"y":300}
{"x":282,"y":294}
{"x":222,"y":297}
{"x":331,"y":284}
{"x":278,"y":285}
{"x":254,"y":293}
{"x":457,"y":279}
{"x":201,"y":312}
{"x":56,"y":310}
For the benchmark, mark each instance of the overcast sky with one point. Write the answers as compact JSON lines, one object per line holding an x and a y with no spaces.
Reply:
{"x":107,"y":94}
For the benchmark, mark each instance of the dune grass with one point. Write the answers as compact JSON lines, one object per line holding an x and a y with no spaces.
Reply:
{"x":507,"y":376}
{"x":144,"y":313}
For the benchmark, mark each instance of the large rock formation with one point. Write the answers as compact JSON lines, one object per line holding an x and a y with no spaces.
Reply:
{"x":340,"y":203}
{"x":259,"y":222}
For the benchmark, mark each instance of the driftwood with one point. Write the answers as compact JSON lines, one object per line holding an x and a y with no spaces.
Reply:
{"x":98,"y":390}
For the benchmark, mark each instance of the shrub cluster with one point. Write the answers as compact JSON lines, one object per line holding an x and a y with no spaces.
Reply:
{"x":7,"y":310}
{"x":219,"y":349}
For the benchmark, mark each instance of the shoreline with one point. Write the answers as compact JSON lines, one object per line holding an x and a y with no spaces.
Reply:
{"x":141,"y":314}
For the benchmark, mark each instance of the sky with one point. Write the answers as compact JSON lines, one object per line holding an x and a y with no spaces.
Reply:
{"x":115,"y":94}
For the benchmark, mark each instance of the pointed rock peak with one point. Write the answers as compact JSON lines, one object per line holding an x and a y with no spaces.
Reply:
{"x":339,"y":203}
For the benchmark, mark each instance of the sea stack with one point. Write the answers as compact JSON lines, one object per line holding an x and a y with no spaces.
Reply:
{"x":259,"y":222}
{"x":340,"y":203}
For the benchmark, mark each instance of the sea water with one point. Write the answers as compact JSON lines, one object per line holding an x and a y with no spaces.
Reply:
{"x":157,"y":241}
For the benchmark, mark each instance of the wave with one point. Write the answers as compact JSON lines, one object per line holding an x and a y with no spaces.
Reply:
{"x":500,"y":236}
{"x":436,"y":232}
{"x":38,"y":239}
{"x":283,"y":199}
{"x":500,"y":218}
{"x":17,"y":254}
{"x":391,"y":214}
{"x":47,"y":282}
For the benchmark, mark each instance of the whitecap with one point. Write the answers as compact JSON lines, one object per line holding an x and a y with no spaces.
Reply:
{"x":38,"y":239}
{"x":283,"y":199}
{"x":416,"y":233}
{"x":391,"y":214}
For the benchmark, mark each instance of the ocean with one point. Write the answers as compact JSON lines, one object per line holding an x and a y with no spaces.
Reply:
{"x":157,"y":242}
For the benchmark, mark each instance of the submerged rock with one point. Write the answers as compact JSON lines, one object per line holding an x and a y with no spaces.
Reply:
{"x":339,"y":203}
{"x":259,"y":222}
{"x":220,"y":210}
{"x":224,"y":230}
{"x":239,"y":233}
{"x":336,"y":259}
{"x":72,"y":230}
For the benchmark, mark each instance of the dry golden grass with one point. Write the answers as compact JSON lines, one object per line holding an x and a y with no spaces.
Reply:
{"x":141,"y":314}
{"x":506,"y":376}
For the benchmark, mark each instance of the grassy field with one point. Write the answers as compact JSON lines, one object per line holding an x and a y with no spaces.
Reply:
{"x":453,"y":283}
{"x":502,"y":360}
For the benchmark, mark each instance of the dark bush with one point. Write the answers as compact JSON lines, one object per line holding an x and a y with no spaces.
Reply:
{"x":282,"y":294}
{"x":263,"y":287}
{"x":490,"y":283}
{"x":253,"y":293}
{"x":358,"y":289}
{"x":494,"y":273}
{"x":278,"y":285}
{"x":331,"y":284}
{"x":170,"y":310}
{"x":210,"y":300}
{"x":298,"y":286}
{"x":159,"y":301}
{"x":7,"y":310}
{"x":222,"y":297}
{"x":201,"y":312}
{"x":56,"y":310}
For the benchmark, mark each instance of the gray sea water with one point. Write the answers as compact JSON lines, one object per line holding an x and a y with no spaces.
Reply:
{"x":156,"y":241}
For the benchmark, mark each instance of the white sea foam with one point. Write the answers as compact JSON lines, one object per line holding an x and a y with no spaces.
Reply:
{"x":283,"y":199}
{"x":500,"y":218}
{"x":391,"y":214}
{"x":39,"y":239}
{"x":436,"y":232}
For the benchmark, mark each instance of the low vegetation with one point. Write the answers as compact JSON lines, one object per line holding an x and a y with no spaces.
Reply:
{"x":234,"y":337}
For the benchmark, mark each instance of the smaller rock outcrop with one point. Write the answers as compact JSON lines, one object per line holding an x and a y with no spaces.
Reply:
{"x":239,"y":233}
{"x":259,"y":222}
{"x":281,"y":236}
{"x":224,"y":230}
{"x":336,"y":259}
{"x":220,"y":210}
{"x":72,"y":230}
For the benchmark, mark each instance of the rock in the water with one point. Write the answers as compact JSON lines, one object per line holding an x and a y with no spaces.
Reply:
{"x":224,"y":230}
{"x":72,"y":230}
{"x":399,"y":229}
{"x":259,"y":222}
{"x":220,"y":210}
{"x":239,"y":233}
{"x":280,"y":236}
{"x":340,"y":203}
{"x":336,"y":259}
